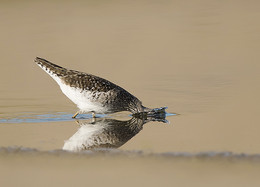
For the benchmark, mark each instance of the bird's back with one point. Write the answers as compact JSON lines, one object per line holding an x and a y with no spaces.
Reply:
{"x":75,"y":78}
{"x":90,"y":91}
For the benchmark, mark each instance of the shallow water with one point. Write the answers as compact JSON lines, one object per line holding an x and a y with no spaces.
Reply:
{"x":198,"y":58}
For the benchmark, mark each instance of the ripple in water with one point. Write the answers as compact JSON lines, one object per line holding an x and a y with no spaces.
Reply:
{"x":98,"y":133}
{"x":60,"y":116}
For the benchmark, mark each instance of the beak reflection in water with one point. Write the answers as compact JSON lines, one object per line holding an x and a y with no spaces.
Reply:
{"x":106,"y":133}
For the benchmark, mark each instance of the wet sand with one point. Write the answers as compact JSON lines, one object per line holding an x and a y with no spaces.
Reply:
{"x":127,"y":169}
{"x":199,"y":58}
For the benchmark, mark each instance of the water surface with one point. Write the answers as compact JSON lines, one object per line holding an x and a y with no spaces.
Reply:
{"x":199,"y":58}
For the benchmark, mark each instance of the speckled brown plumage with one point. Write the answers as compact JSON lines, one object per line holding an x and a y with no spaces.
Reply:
{"x":107,"y":133}
{"x":103,"y":92}
{"x":104,"y":133}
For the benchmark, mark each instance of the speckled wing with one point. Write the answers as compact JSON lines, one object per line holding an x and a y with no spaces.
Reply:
{"x":89,"y":92}
{"x":76,"y":79}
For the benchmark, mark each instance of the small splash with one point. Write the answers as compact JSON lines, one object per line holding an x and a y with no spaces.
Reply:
{"x":156,"y":113}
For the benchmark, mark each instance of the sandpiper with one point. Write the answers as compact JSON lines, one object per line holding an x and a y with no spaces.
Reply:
{"x":106,"y":132}
{"x":91,"y":93}
{"x":103,"y":133}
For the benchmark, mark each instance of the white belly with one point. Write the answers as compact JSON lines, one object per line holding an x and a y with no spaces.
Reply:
{"x":83,"y":99}
{"x":85,"y":137}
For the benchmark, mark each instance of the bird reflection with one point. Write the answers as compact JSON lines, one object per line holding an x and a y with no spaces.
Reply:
{"x":107,"y":133}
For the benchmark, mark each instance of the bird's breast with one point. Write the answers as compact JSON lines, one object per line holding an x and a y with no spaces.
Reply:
{"x":86,"y":100}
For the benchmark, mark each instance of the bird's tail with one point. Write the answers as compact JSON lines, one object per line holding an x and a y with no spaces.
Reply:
{"x":50,"y":68}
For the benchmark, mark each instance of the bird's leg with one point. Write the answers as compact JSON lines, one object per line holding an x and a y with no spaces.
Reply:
{"x":93,"y":114}
{"x":93,"y":120}
{"x":77,"y":121}
{"x":75,"y":115}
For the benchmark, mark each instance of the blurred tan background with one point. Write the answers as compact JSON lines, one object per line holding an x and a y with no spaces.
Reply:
{"x":200,"y":58}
